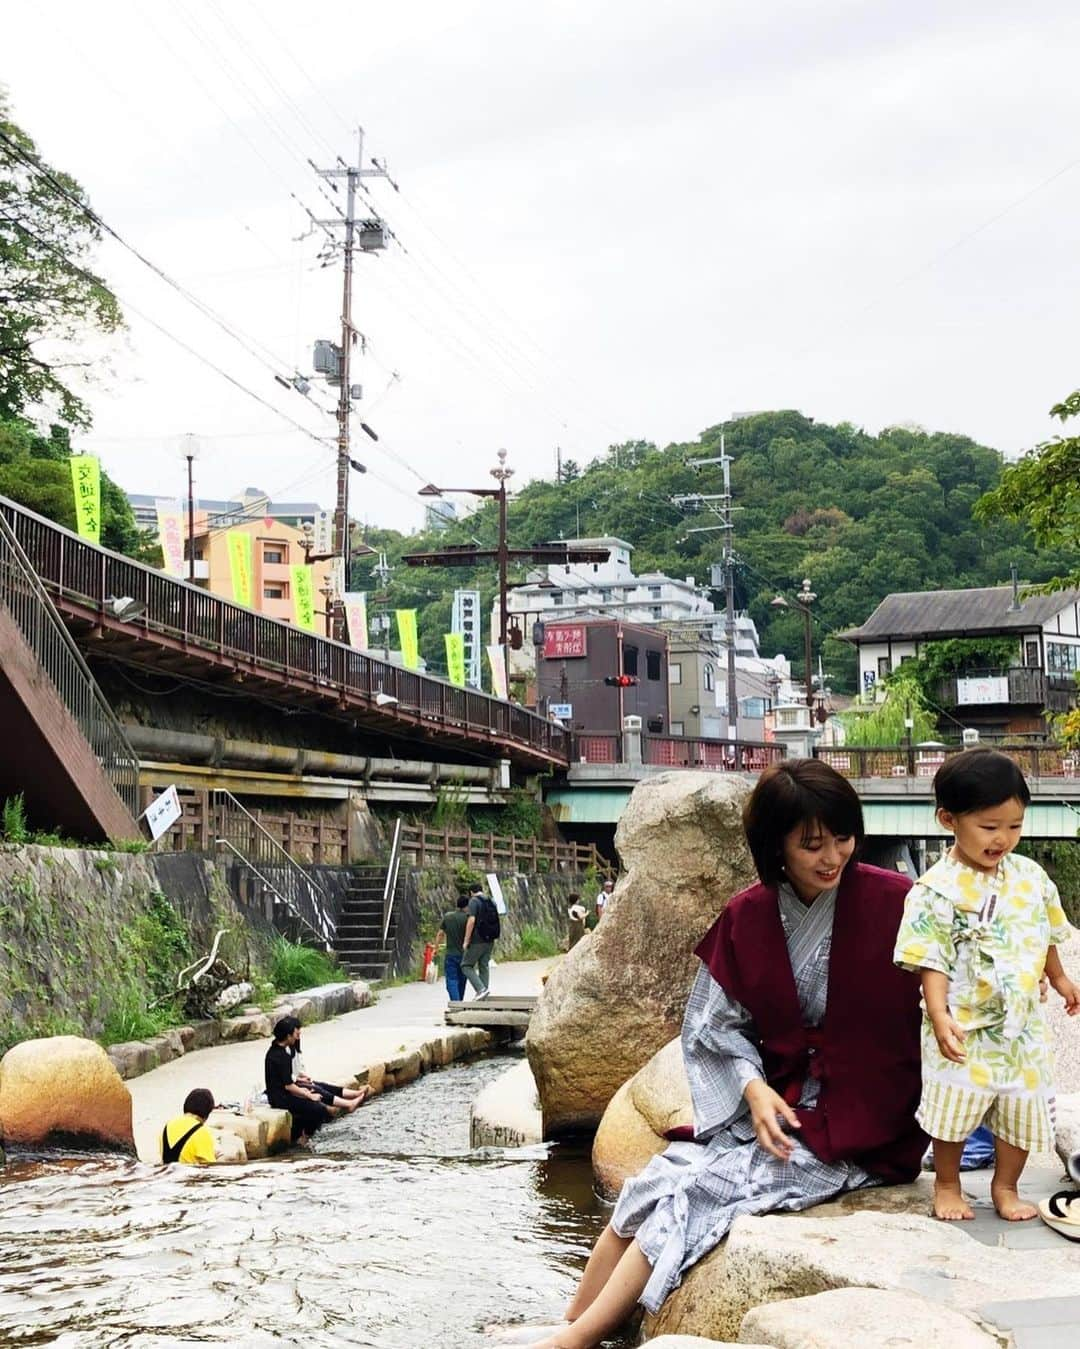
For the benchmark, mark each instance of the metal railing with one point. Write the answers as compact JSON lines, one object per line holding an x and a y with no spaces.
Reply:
{"x":90,"y":576}
{"x":390,"y":885}
{"x":301,"y":894}
{"x":904,"y":761}
{"x":31,"y":607}
{"x":722,"y":756}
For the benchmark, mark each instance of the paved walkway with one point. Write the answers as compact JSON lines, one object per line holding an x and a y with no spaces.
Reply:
{"x":401,"y":1019}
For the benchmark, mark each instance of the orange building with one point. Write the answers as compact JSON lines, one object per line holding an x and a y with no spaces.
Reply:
{"x":275,"y":550}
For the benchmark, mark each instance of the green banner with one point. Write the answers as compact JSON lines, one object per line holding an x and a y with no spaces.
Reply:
{"x":303,"y":589}
{"x":407,"y":638}
{"x":455,"y":657}
{"x":241,"y":566}
{"x":86,"y":482}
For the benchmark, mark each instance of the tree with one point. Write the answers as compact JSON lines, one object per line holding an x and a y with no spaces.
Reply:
{"x":885,"y":725}
{"x":49,"y":298}
{"x":1042,"y":491}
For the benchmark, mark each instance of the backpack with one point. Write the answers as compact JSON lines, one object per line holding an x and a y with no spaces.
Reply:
{"x":488,"y":926}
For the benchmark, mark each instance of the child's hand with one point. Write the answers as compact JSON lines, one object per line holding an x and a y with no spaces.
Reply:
{"x":1070,"y":992}
{"x":949,"y":1036}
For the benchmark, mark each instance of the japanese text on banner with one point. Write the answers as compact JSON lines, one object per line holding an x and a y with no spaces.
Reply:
{"x":86,"y":483}
{"x":170,"y":523}
{"x":497,"y":662}
{"x":303,"y":590}
{"x":241,"y":565}
{"x":455,"y":657}
{"x":356,"y":618}
{"x":407,"y":638}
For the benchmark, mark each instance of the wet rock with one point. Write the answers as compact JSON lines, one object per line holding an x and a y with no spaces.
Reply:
{"x":506,"y":1114}
{"x":361,"y":993}
{"x":229,"y":1148}
{"x":694,"y":1341}
{"x":772,"y":1258}
{"x":63,"y":1092}
{"x":618,"y":998}
{"x":278,"y":1128}
{"x":403,"y":1068}
{"x":132,"y":1058}
{"x":862,"y":1318}
{"x":250,"y":1129}
{"x":656,"y":1098}
{"x":169,"y":1045}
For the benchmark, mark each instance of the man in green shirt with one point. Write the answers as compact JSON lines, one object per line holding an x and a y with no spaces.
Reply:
{"x":452,"y":931}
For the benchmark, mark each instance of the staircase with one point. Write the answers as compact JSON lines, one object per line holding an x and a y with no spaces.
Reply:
{"x":358,"y":942}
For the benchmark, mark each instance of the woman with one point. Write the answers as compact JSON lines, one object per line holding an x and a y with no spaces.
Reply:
{"x":801,"y":1043}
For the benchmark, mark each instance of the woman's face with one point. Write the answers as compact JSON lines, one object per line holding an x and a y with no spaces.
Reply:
{"x":814,"y":858}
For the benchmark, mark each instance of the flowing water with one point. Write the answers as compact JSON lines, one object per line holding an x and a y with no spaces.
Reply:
{"x":390,"y":1233}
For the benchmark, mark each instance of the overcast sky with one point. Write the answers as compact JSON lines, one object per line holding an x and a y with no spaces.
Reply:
{"x":620,"y":219}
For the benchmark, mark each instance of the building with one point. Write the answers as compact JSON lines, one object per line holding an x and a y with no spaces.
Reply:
{"x":275,"y":550}
{"x":250,"y":505}
{"x":1010,"y":697}
{"x":577,"y":661}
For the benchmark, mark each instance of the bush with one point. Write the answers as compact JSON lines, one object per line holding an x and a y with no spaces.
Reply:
{"x":294,"y":967}
{"x":131,"y":1019}
{"x":13,"y":822}
{"x":533,"y":943}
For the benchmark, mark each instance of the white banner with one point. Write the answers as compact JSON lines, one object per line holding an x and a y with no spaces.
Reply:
{"x":162,"y":812}
{"x":989,"y":689}
{"x":355,"y":602}
{"x":323,"y":541}
{"x":497,"y":663}
{"x":497,"y":896}
{"x":337,"y":576}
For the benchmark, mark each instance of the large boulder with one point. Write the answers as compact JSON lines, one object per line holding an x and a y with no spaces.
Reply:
{"x":860,"y":1318}
{"x":775,"y":1257}
{"x":656,"y":1099}
{"x":619,"y":995}
{"x":63,"y":1092}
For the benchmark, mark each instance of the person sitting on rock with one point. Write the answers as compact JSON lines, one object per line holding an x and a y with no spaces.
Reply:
{"x":186,"y":1139}
{"x":311,"y":1104}
{"x":801,"y":1046}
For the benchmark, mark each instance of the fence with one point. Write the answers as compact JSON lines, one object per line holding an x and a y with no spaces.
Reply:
{"x":425,"y":844}
{"x":673,"y":751}
{"x":32,"y":609}
{"x":903,"y":761}
{"x":318,"y":842}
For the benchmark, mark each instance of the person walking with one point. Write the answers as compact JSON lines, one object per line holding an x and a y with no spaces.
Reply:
{"x":452,"y":932}
{"x":482,"y":930}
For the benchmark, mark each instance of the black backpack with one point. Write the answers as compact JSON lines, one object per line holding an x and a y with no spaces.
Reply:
{"x":488,"y":927}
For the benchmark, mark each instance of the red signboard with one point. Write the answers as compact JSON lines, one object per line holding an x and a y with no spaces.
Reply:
{"x":564,"y":641}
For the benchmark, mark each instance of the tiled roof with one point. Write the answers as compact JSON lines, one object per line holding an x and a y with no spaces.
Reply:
{"x":956,"y":613}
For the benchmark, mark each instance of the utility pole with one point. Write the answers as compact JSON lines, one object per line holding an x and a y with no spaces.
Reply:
{"x":720,"y":504}
{"x":369,"y":235}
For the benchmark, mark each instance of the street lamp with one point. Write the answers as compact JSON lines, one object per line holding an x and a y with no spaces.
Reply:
{"x":803,"y":600}
{"x":189,"y":450}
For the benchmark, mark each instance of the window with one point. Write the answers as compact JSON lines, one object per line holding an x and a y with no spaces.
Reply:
{"x":674,"y":674}
{"x":556,"y":597}
{"x":652,"y":665}
{"x":678,"y":728}
{"x":629,"y":660}
{"x":709,"y":679}
{"x":657,"y":611}
{"x":275,"y":552}
{"x":596,"y":566}
{"x":605,"y":597}
{"x":1062,"y":659}
{"x":754,"y":708}
{"x":1031,"y":652}
{"x":272,"y":591}
{"x":882,"y":667}
{"x":654,"y":592}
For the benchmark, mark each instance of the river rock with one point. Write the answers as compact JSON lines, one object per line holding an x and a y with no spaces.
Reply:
{"x":656,"y":1098}
{"x":229,"y":1148}
{"x":132,"y":1058}
{"x":861,"y":1318}
{"x":63,"y":1092}
{"x":696,"y":1342}
{"x":616,"y":999}
{"x":775,"y":1257}
{"x":506,"y":1114}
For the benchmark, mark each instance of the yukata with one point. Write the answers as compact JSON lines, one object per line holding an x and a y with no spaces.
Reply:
{"x":990,"y":935}
{"x":683,"y":1203}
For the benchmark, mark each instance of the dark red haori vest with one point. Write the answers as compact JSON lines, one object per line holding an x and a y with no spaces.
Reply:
{"x":867,"y":1051}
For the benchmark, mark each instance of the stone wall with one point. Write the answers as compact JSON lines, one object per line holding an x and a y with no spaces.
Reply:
{"x":68,"y":925}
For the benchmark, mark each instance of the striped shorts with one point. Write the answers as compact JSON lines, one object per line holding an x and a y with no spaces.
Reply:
{"x":949,"y":1113}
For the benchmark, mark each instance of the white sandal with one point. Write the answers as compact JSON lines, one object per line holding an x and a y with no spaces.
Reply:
{"x":1062,"y":1212}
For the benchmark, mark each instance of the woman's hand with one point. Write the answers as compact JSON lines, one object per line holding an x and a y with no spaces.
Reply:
{"x":765,"y":1105}
{"x":950,"y":1037}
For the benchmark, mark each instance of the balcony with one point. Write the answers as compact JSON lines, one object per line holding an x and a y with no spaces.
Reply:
{"x":1020,"y":686}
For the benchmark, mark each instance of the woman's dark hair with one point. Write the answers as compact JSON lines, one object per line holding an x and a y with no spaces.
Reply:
{"x":798,"y":791}
{"x":976,"y":779}
{"x":286,"y":1026}
{"x":199,"y":1102}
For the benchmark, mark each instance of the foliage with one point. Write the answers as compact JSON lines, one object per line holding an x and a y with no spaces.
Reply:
{"x":47,"y":292}
{"x":957,"y":656}
{"x":1042,"y":490}
{"x":521,"y":817}
{"x":861,"y":515}
{"x":533,"y":943}
{"x":294,"y":967}
{"x":1067,"y":728}
{"x":159,"y":945}
{"x":13,"y":820}
{"x":450,"y":805}
{"x":884,"y":726}
{"x":130,"y":1018}
{"x":464,"y":876}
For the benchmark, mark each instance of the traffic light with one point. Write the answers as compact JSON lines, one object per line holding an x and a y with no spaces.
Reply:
{"x":620,"y":681}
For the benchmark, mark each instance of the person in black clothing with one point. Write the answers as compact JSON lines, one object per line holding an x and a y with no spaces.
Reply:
{"x":311,"y":1104}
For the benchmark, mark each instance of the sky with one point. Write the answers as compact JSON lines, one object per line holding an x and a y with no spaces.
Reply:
{"x":613,"y":220}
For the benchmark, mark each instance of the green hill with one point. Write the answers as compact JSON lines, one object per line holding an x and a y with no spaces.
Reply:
{"x":861,"y":515}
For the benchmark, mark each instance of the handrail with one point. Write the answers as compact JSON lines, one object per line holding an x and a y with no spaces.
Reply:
{"x":45,"y":632}
{"x":390,"y":885}
{"x":301,"y":893}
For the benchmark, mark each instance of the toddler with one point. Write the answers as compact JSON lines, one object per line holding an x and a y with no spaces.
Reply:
{"x":981,"y":926}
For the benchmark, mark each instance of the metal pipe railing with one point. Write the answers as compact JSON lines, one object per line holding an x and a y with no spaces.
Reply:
{"x":31,"y":607}
{"x":390,"y":885}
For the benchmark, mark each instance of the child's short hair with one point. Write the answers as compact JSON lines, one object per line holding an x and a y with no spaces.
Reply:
{"x":199,"y":1102}
{"x":976,"y":779}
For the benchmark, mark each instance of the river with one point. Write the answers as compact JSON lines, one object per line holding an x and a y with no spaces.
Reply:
{"x":391,"y":1233}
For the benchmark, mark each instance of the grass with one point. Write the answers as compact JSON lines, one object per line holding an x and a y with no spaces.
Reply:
{"x":533,"y":943}
{"x":294,"y":967}
{"x":131,"y":1019}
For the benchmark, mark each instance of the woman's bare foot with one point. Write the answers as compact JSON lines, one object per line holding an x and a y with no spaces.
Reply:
{"x":1010,"y":1206}
{"x":949,"y":1203}
{"x":355,"y":1102}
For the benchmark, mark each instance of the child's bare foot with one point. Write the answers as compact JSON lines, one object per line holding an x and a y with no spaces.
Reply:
{"x":1010,"y":1206}
{"x":950,"y":1204}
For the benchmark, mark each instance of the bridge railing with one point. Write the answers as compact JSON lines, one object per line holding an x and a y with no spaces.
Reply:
{"x":424,"y":844}
{"x":903,"y":761}
{"x":83,"y":572}
{"x":676,"y":751}
{"x":28,"y":602}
